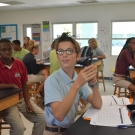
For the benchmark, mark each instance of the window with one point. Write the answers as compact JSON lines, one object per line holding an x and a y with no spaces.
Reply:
{"x":120,"y":32}
{"x":84,"y":31}
{"x":58,"y":29}
{"x":28,"y":32}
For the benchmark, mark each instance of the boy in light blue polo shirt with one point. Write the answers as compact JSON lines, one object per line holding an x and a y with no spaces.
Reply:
{"x":64,"y":88}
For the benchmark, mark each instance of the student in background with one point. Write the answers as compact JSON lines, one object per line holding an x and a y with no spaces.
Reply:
{"x":18,"y":52}
{"x":54,"y":63}
{"x":64,"y":87}
{"x":13,"y":74}
{"x":55,"y":66}
{"x":36,"y":72}
{"x":124,"y":60}
{"x":46,"y":53}
{"x":97,"y":52}
{"x":26,"y":43}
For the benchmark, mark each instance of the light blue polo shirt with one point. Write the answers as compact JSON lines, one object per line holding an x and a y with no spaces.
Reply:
{"x":56,"y":88}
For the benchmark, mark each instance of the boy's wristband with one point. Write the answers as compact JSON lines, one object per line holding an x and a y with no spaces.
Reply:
{"x":93,"y":85}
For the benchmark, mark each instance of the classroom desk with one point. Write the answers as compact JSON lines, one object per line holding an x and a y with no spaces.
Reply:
{"x":9,"y":97}
{"x":78,"y":67}
{"x":82,"y":127}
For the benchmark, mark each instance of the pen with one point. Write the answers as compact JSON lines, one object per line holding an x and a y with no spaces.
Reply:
{"x":126,"y":126}
{"x":114,"y":99}
{"x":120,"y":115}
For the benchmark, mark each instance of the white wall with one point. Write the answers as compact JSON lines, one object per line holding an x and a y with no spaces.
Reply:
{"x":104,"y":14}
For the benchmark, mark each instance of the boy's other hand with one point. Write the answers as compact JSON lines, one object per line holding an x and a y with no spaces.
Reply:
{"x":29,"y":108}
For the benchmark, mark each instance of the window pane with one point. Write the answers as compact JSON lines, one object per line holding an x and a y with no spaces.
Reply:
{"x":123,"y":29}
{"x":58,"y":29}
{"x":86,"y":30}
{"x":82,"y":43}
{"x":29,"y":33}
{"x":117,"y":45}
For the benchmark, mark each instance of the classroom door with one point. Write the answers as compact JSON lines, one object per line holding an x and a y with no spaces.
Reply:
{"x":34,"y":32}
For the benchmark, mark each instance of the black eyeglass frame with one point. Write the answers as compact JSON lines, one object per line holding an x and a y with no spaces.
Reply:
{"x":68,"y":52}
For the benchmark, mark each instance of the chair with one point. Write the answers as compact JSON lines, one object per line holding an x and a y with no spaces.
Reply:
{"x":32,"y":87}
{"x":118,"y":91}
{"x":3,"y":123}
{"x":100,"y":76}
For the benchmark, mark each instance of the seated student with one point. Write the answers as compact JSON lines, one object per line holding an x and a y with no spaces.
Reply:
{"x":85,"y":51}
{"x":97,"y":52}
{"x":36,"y":72}
{"x":18,"y":52}
{"x":64,"y":87}
{"x":124,"y":60}
{"x":55,"y":66}
{"x":26,"y":43}
{"x":9,"y":67}
{"x":54,"y":63}
{"x":46,"y":53}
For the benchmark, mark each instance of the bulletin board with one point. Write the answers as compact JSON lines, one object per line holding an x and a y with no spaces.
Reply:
{"x":9,"y":31}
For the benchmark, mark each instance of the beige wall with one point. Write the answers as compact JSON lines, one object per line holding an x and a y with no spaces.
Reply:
{"x":103,"y":14}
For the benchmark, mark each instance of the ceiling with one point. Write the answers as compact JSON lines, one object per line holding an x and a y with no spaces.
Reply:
{"x":35,"y":4}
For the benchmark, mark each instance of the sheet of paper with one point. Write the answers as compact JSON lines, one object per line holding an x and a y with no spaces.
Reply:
{"x":91,"y":112}
{"x":47,"y":63}
{"x":114,"y":100}
{"x":111,"y":116}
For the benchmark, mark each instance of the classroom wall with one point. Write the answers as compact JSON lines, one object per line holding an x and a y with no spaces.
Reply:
{"x":102,"y":13}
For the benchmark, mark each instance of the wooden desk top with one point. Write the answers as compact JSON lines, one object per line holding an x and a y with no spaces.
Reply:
{"x":9,"y":97}
{"x":4,"y":93}
{"x":83,"y":127}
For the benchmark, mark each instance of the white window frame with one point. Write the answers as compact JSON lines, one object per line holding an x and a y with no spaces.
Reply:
{"x":74,"y":30}
{"x":124,"y":39}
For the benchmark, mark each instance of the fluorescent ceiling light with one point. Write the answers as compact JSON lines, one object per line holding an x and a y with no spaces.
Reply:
{"x":3,"y":4}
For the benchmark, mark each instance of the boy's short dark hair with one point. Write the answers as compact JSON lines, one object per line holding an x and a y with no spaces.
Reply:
{"x":65,"y":37}
{"x":5,"y":40}
{"x":17,"y":42}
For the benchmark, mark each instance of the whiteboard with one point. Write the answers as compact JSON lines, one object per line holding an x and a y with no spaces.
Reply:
{"x":9,"y":31}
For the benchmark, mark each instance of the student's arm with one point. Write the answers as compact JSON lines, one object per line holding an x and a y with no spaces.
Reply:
{"x":99,"y":54}
{"x":99,"y":57}
{"x":60,"y":109}
{"x":5,"y":86}
{"x":95,"y":98}
{"x":27,"y":97}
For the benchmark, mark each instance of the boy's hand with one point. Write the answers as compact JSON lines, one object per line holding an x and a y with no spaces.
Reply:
{"x":29,"y":108}
{"x":88,"y":74}
{"x":42,"y":62}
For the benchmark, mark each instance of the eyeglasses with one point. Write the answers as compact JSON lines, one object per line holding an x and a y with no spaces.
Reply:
{"x":68,"y":52}
{"x":89,"y":42}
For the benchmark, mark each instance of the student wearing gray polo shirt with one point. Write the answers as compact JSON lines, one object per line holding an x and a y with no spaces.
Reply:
{"x":64,"y":88}
{"x":97,"y":52}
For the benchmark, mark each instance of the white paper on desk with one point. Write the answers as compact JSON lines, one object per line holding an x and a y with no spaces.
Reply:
{"x":110,"y":116}
{"x":110,"y":100}
{"x":91,"y":112}
{"x":93,"y":58}
{"x":47,"y":63}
